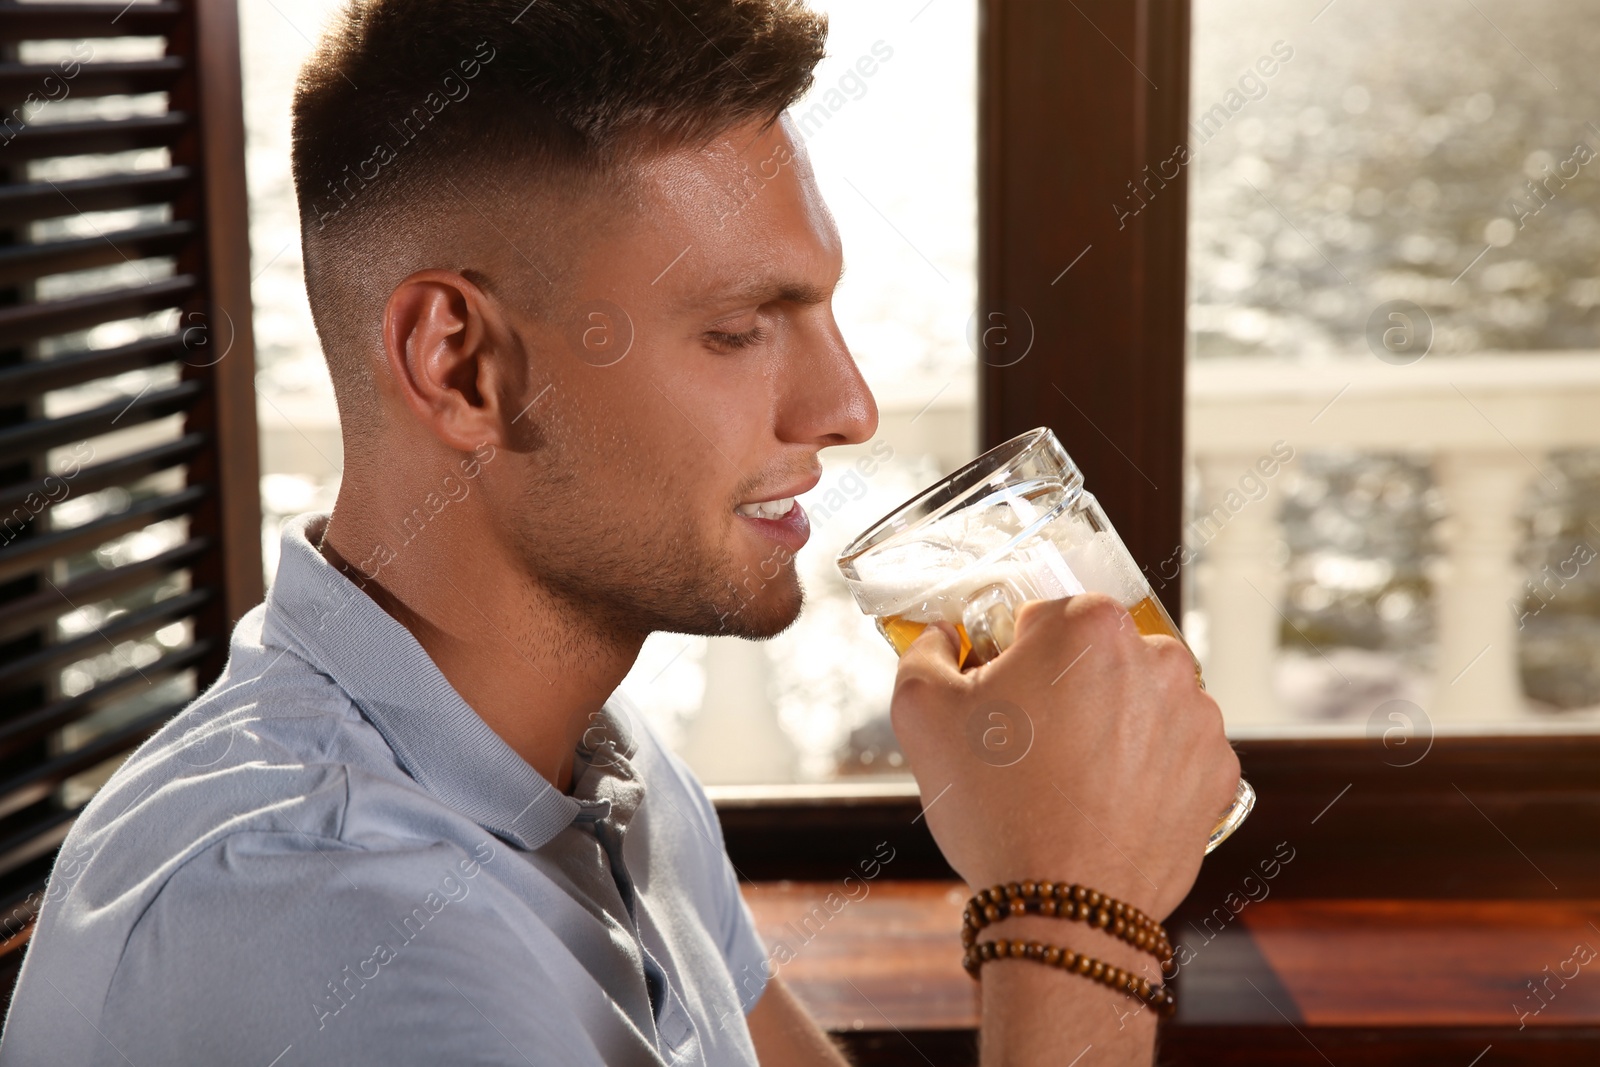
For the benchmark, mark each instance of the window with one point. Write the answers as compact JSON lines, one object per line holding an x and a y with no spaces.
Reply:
{"x":1392,"y":282}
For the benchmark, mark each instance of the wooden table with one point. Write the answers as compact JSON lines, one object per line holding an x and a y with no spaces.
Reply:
{"x":1295,"y":980}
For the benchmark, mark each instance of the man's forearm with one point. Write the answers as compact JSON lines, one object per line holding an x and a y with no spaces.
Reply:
{"x":1034,"y":1014}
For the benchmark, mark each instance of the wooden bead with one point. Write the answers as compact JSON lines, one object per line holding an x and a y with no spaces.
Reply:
{"x":1068,"y":901}
{"x":1097,"y":969}
{"x":1018,"y":950}
{"x":1052,"y":956}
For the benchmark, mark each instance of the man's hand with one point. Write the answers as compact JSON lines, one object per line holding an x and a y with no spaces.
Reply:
{"x":1086,"y":752}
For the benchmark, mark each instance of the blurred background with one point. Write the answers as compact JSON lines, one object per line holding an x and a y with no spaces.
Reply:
{"x":1358,"y":173}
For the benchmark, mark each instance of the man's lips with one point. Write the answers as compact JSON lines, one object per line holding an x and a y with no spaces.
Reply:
{"x":779,"y":517}
{"x":778,"y":502}
{"x":766,"y":509}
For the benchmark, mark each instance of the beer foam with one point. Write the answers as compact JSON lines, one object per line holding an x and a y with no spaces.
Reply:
{"x":928,"y":573}
{"x":1102,"y":564}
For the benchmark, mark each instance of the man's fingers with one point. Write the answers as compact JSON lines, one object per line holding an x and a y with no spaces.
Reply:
{"x":1088,"y":618}
{"x":928,"y":670}
{"x":933,"y":654}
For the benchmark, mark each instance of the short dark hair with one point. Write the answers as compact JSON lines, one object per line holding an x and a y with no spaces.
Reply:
{"x":401,"y":95}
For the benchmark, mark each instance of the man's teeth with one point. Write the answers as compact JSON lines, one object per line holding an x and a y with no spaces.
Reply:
{"x":767,"y":509}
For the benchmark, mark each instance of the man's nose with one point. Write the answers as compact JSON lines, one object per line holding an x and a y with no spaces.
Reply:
{"x":828,"y":401}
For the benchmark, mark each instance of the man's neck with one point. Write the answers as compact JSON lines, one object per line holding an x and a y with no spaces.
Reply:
{"x":533,"y":667}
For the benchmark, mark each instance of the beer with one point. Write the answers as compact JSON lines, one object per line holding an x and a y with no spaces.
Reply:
{"x":1014,"y":525}
{"x":1148,"y":615}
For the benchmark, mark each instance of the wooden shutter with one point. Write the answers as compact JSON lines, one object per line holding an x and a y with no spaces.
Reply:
{"x":129,"y":514}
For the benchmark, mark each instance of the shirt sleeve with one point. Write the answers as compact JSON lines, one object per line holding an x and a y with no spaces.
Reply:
{"x":323,"y":954}
{"x":742,"y":949}
{"x":747,"y":958}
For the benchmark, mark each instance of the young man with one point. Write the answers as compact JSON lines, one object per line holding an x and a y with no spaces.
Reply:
{"x":572,"y":275}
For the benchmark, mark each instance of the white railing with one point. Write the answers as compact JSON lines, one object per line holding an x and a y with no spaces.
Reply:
{"x":1486,"y":423}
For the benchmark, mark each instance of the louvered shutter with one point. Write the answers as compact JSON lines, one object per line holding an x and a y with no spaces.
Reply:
{"x":129,"y":511}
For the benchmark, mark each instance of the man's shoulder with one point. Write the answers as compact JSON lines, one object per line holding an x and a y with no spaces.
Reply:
{"x":273,"y":751}
{"x":271,"y":731}
{"x":267,"y":938}
{"x":269,"y":817}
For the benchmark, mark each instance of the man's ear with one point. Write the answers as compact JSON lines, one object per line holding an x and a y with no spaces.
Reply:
{"x":452,"y":359}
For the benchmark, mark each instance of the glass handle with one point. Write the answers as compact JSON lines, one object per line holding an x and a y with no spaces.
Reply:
{"x":989,"y":621}
{"x":1244,"y":799}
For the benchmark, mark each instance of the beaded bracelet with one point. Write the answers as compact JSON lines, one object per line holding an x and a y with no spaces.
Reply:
{"x":1159,"y":997}
{"x":1066,"y":901}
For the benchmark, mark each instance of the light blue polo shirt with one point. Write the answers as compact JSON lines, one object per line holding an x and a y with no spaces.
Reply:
{"x":329,"y":858}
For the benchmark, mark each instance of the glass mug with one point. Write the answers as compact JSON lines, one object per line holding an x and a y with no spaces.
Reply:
{"x":1013,"y":525}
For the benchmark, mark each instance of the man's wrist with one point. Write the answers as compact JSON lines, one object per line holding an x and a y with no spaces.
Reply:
{"x":1037,"y":1014}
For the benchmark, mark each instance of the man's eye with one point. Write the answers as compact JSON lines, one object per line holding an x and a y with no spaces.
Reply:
{"x":732,"y":341}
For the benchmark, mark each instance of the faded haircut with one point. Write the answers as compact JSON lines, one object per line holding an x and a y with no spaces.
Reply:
{"x":413,"y":118}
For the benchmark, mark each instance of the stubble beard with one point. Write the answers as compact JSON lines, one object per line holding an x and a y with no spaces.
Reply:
{"x":633,"y":580}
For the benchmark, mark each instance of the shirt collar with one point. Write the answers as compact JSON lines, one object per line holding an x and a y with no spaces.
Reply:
{"x":436,"y":736}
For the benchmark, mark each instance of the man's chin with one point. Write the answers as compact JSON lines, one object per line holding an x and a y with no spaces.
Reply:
{"x":763,"y":617}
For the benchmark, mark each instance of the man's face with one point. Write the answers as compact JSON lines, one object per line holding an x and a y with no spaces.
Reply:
{"x":680,"y":395}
